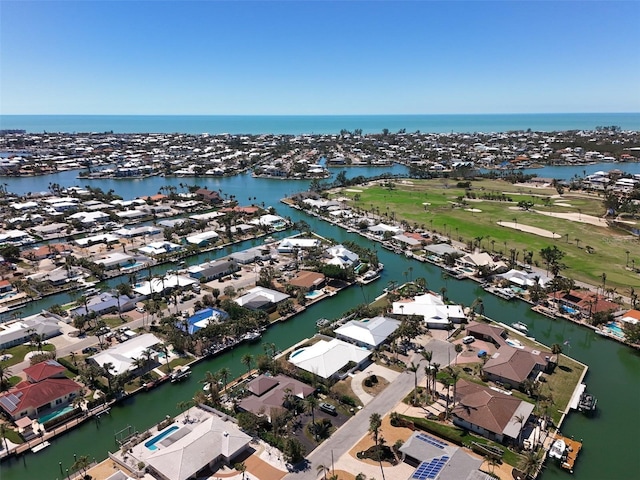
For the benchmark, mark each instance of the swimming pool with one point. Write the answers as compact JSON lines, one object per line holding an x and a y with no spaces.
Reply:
{"x":297,"y":352}
{"x":133,"y":265}
{"x":313,"y":294}
{"x":50,"y":416}
{"x":570,"y":310}
{"x":615,"y":329}
{"x":151,"y":444}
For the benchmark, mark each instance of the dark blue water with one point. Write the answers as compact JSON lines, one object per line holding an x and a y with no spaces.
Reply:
{"x":297,"y":124}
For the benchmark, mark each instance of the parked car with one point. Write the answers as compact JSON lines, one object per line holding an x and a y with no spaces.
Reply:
{"x":89,"y":350}
{"x":328,"y":408}
{"x":468,"y":339}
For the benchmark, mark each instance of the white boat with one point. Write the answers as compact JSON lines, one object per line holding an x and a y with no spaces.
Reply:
{"x":371,"y":275}
{"x":40,"y":446}
{"x":252,"y":336}
{"x":521,"y":327}
{"x":558,"y":449}
{"x":180,"y":373}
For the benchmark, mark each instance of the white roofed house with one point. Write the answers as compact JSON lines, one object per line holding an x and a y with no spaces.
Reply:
{"x":89,"y":218}
{"x":123,"y":356}
{"x":270,"y":221}
{"x":327,"y":359}
{"x":342,"y":256}
{"x":288,"y":245}
{"x":115,"y":260}
{"x":369,"y":332}
{"x":481,"y":260}
{"x":436,"y":313}
{"x":194,"y":449}
{"x":260,"y":298}
{"x":159,"y":248}
{"x":159,"y":285}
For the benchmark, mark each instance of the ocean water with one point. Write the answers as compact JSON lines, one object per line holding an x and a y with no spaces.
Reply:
{"x":316,"y":124}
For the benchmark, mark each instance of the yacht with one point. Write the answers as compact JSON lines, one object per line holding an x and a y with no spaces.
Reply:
{"x":558,"y":449}
{"x":180,"y":374}
{"x":587,"y":403}
{"x":521,"y":327}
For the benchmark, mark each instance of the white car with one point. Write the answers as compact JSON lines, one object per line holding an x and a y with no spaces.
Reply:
{"x":140,"y":309}
{"x":469,"y":339}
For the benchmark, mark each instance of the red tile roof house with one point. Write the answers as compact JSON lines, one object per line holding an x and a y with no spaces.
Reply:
{"x":489,"y":413}
{"x":46,"y":389}
{"x":587,"y":302}
{"x":5,"y":286}
{"x":513,"y":366}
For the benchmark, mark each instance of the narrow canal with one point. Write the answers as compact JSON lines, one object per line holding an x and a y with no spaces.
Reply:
{"x":610,"y":439}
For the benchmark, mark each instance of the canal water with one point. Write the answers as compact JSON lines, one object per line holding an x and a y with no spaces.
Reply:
{"x":610,"y":438}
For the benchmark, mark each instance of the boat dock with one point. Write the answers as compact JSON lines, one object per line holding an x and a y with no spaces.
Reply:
{"x":575,"y":398}
{"x":571,"y":453}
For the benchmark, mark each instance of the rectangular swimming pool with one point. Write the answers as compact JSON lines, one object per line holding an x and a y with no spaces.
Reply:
{"x":151,"y":444}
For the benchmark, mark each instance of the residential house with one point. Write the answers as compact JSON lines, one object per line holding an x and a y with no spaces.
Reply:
{"x":46,"y":388}
{"x":342,"y":256}
{"x":369,"y":333}
{"x":289,"y":245}
{"x":436,"y":313}
{"x":202,"y":318}
{"x":511,"y":365}
{"x":105,"y":303}
{"x":45,"y":325}
{"x":268,"y":393}
{"x":586,"y":302}
{"x":208,"y":196}
{"x":123,"y":356}
{"x":488,"y":412}
{"x":442,"y":460}
{"x":213,"y":270}
{"x":195,"y":449}
{"x":260,"y":298}
{"x":329,"y":359}
{"x":308,"y":280}
{"x":489,"y":333}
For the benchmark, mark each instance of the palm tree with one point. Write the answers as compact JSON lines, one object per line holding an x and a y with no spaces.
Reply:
{"x":531,"y":462}
{"x":375,"y":422}
{"x":519,"y":419}
{"x":322,"y":470}
{"x":428,"y":356}
{"x":224,"y":373}
{"x":556,"y":349}
{"x":434,"y":375}
{"x":3,"y":434}
{"x":247,"y":360}
{"x":311,"y":403}
{"x":240,"y":467}
{"x":414,"y":369}
{"x":5,"y":375}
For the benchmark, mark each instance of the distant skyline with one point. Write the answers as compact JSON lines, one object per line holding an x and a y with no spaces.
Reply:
{"x":318,"y":58}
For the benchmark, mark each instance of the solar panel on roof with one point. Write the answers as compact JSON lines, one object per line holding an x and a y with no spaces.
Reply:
{"x":430,"y":470}
{"x":431,"y":440}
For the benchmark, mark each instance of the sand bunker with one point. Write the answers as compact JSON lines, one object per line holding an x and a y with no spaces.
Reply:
{"x":529,"y":229}
{"x":355,"y":190}
{"x":576,"y":217}
{"x":473,"y":210}
{"x":426,"y":203}
{"x":560,"y":204}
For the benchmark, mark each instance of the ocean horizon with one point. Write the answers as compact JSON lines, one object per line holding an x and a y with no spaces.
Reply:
{"x":317,"y":124}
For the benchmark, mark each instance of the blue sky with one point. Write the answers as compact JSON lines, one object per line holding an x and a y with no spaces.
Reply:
{"x":318,"y":57}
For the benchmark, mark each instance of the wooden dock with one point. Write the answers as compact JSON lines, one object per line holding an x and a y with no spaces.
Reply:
{"x":573,"y":448}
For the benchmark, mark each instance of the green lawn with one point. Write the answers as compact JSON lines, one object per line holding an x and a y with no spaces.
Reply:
{"x":460,"y":436}
{"x":444,"y":216}
{"x":19,"y":351}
